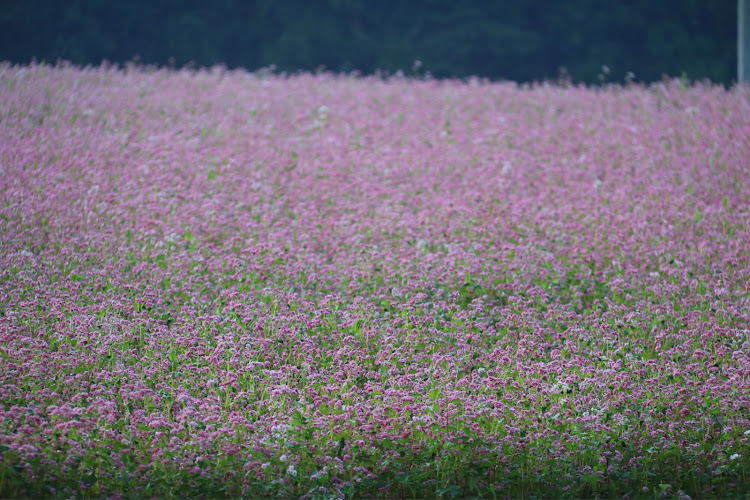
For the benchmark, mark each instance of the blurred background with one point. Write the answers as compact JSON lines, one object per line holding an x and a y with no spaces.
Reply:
{"x":589,"y":41}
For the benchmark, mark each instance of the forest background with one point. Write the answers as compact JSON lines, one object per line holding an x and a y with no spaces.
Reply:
{"x":590,"y":41}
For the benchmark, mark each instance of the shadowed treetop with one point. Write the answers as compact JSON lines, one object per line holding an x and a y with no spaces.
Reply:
{"x":498,"y":39}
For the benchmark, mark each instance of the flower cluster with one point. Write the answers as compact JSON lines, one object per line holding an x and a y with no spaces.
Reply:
{"x":246,"y":284}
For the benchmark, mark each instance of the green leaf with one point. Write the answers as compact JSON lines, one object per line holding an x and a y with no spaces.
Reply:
{"x":298,"y":420}
{"x":435,"y":393}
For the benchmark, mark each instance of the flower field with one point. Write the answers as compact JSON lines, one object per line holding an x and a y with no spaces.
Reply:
{"x":218,"y":284}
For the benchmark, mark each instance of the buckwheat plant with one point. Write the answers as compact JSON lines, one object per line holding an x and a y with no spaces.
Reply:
{"x":217,"y":283}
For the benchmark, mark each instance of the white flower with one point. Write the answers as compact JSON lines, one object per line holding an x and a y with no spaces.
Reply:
{"x":266,"y":465}
{"x":507,"y":167}
{"x":291,"y":470}
{"x":560,"y":387}
{"x":322,"y":113}
{"x":279,"y":430}
{"x":283,"y":458}
{"x":735,"y":456}
{"x":747,"y":432}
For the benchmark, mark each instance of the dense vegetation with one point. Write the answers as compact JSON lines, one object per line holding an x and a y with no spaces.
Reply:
{"x":220,"y":284}
{"x":499,"y":39}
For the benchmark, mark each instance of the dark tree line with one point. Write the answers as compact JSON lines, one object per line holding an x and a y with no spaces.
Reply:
{"x":498,"y":39}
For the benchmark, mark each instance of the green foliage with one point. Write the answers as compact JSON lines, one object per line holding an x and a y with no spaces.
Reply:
{"x":502,"y":40}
